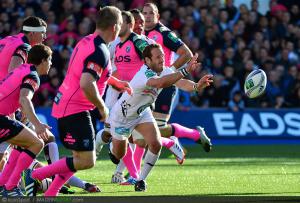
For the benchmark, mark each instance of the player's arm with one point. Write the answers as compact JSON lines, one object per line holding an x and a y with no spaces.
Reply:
{"x":119,"y":85}
{"x":190,"y":86}
{"x":15,"y":62}
{"x":175,"y":44}
{"x":172,"y":78}
{"x":90,"y":90}
{"x":165,"y":81}
{"x":184,"y":54}
{"x":19,"y":57}
{"x":28,"y":87}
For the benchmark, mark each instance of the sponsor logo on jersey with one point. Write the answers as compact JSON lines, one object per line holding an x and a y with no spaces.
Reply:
{"x":32,"y":83}
{"x":125,"y":58}
{"x":128,"y":49}
{"x":141,"y":45}
{"x":150,"y":73}
{"x":155,"y":37}
{"x":173,"y":37}
{"x":95,"y":67}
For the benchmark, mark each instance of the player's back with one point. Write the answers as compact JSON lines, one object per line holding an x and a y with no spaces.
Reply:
{"x":89,"y":55}
{"x":8,"y":46}
{"x":10,"y":87}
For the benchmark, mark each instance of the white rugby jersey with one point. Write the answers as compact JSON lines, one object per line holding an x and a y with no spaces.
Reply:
{"x":131,"y":106}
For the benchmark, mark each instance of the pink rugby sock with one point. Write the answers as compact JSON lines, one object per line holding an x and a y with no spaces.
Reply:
{"x":9,"y":166}
{"x":23,"y":162}
{"x":58,"y":167}
{"x":59,"y":181}
{"x":138,"y":157}
{"x":129,"y":163}
{"x":181,"y":131}
{"x":167,"y":142}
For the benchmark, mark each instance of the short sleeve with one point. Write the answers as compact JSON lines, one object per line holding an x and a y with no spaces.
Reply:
{"x":31,"y":81}
{"x":22,"y":51}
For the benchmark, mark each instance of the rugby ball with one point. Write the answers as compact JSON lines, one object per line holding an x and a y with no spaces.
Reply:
{"x":255,"y":83}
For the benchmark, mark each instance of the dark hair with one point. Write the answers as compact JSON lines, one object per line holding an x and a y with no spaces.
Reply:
{"x":135,"y":12}
{"x":148,"y":49}
{"x":128,"y":17}
{"x":38,"y":53}
{"x":33,"y":21}
{"x":108,"y":16}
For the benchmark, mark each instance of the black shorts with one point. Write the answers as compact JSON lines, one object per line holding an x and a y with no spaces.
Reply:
{"x":9,"y":128}
{"x":76,"y":132}
{"x":165,"y":99}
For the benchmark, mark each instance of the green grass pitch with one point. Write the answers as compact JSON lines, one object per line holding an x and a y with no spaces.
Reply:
{"x":233,"y":170}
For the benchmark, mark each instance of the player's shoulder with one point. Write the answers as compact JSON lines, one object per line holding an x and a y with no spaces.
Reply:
{"x":148,"y":72}
{"x":162,"y":28}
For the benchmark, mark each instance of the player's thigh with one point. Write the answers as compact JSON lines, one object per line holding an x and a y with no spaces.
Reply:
{"x":150,"y":132}
{"x":76,"y":132}
{"x":89,"y":156}
{"x":26,"y":138}
{"x":14,"y":132}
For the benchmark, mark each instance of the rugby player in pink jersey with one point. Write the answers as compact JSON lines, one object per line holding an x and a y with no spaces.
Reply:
{"x":14,"y":49}
{"x":13,"y":52}
{"x":163,"y":105}
{"x":88,"y":74}
{"x":17,"y":90}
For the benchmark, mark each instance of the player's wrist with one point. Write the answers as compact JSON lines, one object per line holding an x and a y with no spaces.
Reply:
{"x":184,"y":72}
{"x":195,"y":87}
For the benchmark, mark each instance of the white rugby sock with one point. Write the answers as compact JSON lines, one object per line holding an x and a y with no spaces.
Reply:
{"x":120,"y":167}
{"x":149,"y":162}
{"x":77,"y":182}
{"x":51,"y":152}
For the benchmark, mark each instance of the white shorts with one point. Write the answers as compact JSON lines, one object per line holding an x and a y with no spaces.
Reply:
{"x":121,"y":129}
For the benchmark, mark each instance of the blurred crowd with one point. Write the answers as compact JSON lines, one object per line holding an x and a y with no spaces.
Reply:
{"x":231,"y":41}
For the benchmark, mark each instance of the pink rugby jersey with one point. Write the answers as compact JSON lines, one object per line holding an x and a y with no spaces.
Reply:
{"x":90,"y":55}
{"x":25,"y":76}
{"x":128,"y":56}
{"x":167,"y":39}
{"x":16,"y":45}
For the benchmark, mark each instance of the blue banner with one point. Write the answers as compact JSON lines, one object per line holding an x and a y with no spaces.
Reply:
{"x":221,"y":123}
{"x":249,"y":123}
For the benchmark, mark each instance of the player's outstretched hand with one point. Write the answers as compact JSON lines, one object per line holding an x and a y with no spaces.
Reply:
{"x":205,"y":81}
{"x":193,"y":64}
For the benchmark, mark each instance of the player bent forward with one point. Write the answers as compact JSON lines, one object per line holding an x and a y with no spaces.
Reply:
{"x":133,"y":111}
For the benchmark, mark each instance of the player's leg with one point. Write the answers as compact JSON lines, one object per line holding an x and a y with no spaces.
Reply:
{"x":19,"y":159}
{"x":76,"y":134}
{"x":152,"y":138}
{"x":162,"y":113}
{"x":3,"y":154}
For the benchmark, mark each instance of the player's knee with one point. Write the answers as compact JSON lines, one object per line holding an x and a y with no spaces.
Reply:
{"x":86,"y":164}
{"x":155,"y":147}
{"x":140,"y":143}
{"x":38,"y":145}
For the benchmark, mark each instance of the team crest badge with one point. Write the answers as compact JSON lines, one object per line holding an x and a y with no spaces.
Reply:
{"x":128,"y":49}
{"x":155,"y":37}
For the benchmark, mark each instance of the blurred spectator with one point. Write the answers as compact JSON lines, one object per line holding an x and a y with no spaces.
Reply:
{"x":236,"y":103}
{"x":230,"y":42}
